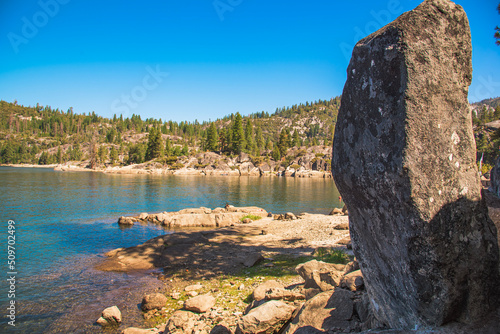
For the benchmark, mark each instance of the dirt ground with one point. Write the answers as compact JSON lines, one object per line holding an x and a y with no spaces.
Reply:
{"x":207,"y":253}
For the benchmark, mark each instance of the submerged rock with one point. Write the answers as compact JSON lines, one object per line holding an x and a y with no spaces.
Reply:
{"x":404,"y":162}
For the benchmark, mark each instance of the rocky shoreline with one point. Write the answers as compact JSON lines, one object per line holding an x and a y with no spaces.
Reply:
{"x":259,"y":276}
{"x":313,"y":162}
{"x":222,"y":262}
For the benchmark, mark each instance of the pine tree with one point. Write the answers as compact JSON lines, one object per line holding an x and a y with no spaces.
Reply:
{"x":238,"y":140}
{"x":283,"y":142}
{"x":259,"y":139}
{"x":8,"y":153}
{"x":76,"y":153}
{"x":168,"y":147}
{"x":212,"y":139}
{"x":222,"y":140}
{"x":113,"y":154}
{"x":102,"y":153}
{"x":249,"y":135}
{"x":185,"y":150}
{"x":93,"y":152}
{"x":269,"y":144}
{"x":155,"y":144}
{"x":289,"y":140}
{"x":59,"y":155}
{"x":296,"y":139}
{"x":229,"y":140}
{"x":276,"y":153}
{"x":497,"y":30}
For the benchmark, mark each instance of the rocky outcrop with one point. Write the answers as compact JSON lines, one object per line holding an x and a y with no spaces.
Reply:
{"x":404,"y":162}
{"x":259,"y":293}
{"x":197,"y":217}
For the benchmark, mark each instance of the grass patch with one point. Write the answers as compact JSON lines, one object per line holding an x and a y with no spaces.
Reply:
{"x":283,"y":266}
{"x":252,"y":217}
{"x":332,"y":255}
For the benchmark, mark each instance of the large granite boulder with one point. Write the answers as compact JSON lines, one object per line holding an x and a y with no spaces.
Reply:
{"x":404,"y":162}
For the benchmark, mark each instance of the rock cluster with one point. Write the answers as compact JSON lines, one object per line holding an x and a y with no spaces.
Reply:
{"x":199,"y":217}
{"x":275,"y":307}
{"x":404,"y":162}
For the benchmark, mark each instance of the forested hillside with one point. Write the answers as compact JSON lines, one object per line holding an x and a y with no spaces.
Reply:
{"x":43,"y":135}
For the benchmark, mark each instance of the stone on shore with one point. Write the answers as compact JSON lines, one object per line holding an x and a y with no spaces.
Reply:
{"x":320,"y":275}
{"x":353,"y":281}
{"x":154,"y":301}
{"x":194,"y":287}
{"x":325,"y":311}
{"x":111,"y":316}
{"x":126,"y":220}
{"x":181,"y":320}
{"x":265,"y":318}
{"x":252,"y":259}
{"x":260,"y":292}
{"x":199,"y":304}
{"x":404,"y":162}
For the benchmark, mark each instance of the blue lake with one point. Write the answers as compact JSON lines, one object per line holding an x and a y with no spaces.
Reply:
{"x":65,"y":221}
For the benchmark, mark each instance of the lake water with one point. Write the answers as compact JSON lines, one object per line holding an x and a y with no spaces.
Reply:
{"x":65,"y":221}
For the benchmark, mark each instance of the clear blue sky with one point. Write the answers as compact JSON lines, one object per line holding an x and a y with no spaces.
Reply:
{"x":200,"y":59}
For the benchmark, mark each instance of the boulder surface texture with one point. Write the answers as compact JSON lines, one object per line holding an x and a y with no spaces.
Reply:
{"x":404,"y":162}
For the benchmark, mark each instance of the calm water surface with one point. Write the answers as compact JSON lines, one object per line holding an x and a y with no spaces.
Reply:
{"x":65,"y":221}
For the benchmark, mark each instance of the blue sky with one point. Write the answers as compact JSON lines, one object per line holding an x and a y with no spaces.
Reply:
{"x":200,"y":59}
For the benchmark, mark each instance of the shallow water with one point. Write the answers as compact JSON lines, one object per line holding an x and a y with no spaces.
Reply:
{"x":65,"y":221}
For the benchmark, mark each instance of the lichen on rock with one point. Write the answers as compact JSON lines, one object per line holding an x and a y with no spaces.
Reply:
{"x":404,"y":162}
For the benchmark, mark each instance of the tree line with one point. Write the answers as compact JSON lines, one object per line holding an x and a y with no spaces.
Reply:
{"x":43,"y":135}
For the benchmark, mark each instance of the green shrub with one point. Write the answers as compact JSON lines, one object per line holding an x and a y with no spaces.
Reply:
{"x":200,"y":166}
{"x":301,"y":153}
{"x":295,"y":166}
{"x":320,"y":155}
{"x":252,"y":217}
{"x":170,"y":160}
{"x":176,"y":166}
